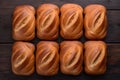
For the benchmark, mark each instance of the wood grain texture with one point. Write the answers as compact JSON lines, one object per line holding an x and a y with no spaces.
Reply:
{"x":113,"y":65}
{"x":110,"y":4}
{"x":112,"y":39}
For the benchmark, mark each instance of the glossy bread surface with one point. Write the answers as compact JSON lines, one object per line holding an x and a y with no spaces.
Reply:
{"x":23,"y":58}
{"x":71,"y":21}
{"x":95,"y":21}
{"x":23,"y":23}
{"x":47,"y":58}
{"x":95,"y":57}
{"x":71,"y":57}
{"x":47,"y":22}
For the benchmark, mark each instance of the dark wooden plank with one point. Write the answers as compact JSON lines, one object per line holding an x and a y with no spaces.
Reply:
{"x":113,"y":34}
{"x":6,"y":25}
{"x":110,"y":4}
{"x":113,"y":67}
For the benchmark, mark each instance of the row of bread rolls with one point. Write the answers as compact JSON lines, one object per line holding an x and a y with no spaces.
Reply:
{"x":48,"y":56}
{"x":47,"y":22}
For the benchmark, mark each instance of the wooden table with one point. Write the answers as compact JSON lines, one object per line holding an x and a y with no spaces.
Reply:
{"x":112,"y":40}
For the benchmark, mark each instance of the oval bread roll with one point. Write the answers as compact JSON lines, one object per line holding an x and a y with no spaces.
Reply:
{"x":23,"y":58}
{"x":71,"y":21}
{"x":47,"y":22}
{"x":95,"y":57}
{"x":47,"y":58}
{"x":71,"y":57}
{"x":23,"y":23}
{"x":95,"y":21}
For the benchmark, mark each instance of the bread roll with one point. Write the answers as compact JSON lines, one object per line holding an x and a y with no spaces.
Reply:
{"x":95,"y":21}
{"x":24,"y":23}
{"x":47,"y":21}
{"x":23,"y":58}
{"x":47,"y":58}
{"x":95,"y":57}
{"x":71,"y":21}
{"x":71,"y":57}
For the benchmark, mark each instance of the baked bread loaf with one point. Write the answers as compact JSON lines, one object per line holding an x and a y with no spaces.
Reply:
{"x":71,"y":21}
{"x":47,"y":58}
{"x":47,"y":22}
{"x":24,"y":23}
{"x":95,"y":57}
{"x":23,"y":58}
{"x":71,"y":57}
{"x":95,"y":21}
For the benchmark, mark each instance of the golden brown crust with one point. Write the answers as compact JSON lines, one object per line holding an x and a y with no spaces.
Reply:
{"x":95,"y":21}
{"x":23,"y":58}
{"x":95,"y":57}
{"x":71,"y":21}
{"x":47,"y":58}
{"x":47,"y":21}
{"x":24,"y":23}
{"x":71,"y":57}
